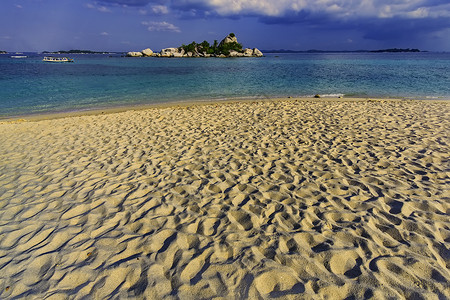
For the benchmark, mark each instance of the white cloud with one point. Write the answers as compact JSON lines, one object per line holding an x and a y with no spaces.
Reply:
{"x":282,"y":8}
{"x":160,"y":9}
{"x":100,"y":8}
{"x":161,"y":26}
{"x":19,"y":6}
{"x":103,"y":9}
{"x":425,"y":12}
{"x":126,"y":3}
{"x":338,"y":8}
{"x":104,"y":33}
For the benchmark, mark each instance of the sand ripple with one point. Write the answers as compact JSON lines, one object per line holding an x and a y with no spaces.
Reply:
{"x":277,"y":199}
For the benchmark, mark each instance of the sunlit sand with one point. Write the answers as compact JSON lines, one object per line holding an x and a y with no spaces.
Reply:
{"x":288,"y":198}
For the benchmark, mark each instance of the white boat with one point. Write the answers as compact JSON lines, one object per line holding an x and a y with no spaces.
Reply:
{"x":19,"y":56}
{"x":57,"y":59}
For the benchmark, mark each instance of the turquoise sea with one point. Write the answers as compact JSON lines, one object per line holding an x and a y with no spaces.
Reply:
{"x":30,"y":86}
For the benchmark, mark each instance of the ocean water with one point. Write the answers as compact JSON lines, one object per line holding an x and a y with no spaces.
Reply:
{"x":31,"y":86}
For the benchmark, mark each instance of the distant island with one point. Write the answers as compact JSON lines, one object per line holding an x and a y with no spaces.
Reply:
{"x":228,"y":47}
{"x":392,"y":50}
{"x":395,"y":50}
{"x":3,"y":52}
{"x":75,"y":51}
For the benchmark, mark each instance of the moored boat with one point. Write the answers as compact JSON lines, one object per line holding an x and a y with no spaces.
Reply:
{"x":57,"y":59}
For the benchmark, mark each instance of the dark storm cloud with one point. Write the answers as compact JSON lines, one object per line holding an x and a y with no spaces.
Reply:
{"x":402,"y":29}
{"x":371,"y":27}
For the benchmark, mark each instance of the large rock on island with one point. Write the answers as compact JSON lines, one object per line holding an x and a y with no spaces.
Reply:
{"x":134,"y":54}
{"x":147,"y":52}
{"x":229,"y":39}
{"x":257,"y":53}
{"x":248,"y":52}
{"x":171,"y":52}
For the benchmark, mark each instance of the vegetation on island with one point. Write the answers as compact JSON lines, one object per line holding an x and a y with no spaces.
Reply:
{"x":203,"y":47}
{"x":228,"y":47}
{"x":214,"y":49}
{"x":3,"y":52}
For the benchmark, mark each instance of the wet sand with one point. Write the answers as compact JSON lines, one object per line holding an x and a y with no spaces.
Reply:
{"x":288,"y":199}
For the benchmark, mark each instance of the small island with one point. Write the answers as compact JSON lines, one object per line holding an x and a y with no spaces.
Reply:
{"x":228,"y":47}
{"x":3,"y":52}
{"x":76,"y":51}
{"x":315,"y":51}
{"x":395,"y":50}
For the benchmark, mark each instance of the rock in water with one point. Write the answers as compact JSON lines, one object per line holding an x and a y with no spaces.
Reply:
{"x":147,"y":52}
{"x":248,"y":52}
{"x":169,"y":52}
{"x":134,"y":54}
{"x":256,"y":52}
{"x":233,"y":53}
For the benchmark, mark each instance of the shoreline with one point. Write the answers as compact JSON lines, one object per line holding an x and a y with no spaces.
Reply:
{"x":32,"y":117}
{"x":286,"y":199}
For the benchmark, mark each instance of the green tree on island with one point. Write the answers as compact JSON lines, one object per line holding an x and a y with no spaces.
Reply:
{"x":228,"y":47}
{"x":215,"y":46}
{"x":189,"y":48}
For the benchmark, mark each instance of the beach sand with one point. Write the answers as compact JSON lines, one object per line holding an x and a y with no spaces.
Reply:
{"x":289,"y":199}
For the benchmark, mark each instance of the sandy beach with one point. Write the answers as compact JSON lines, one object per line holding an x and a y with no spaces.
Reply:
{"x":287,"y":199}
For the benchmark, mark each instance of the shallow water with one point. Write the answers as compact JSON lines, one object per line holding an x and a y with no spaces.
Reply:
{"x":96,"y":81}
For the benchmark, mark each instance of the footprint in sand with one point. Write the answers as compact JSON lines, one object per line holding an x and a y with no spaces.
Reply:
{"x":241,"y":219}
{"x":276,"y":283}
{"x":346,"y":262}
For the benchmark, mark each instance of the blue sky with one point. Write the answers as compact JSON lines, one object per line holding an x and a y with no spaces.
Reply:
{"x":132,"y":25}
